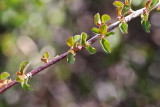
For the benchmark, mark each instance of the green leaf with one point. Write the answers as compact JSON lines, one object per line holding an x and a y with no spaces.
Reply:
{"x":90,"y":49}
{"x":154,"y":2}
{"x":118,"y":4}
{"x":23,"y":67}
{"x":70,"y":58}
{"x":83,"y":39}
{"x":70,"y":41}
{"x":125,"y":9}
{"x":103,"y":29}
{"x":97,"y":19}
{"x":145,"y":16}
{"x":146,"y":25}
{"x":123,"y":27}
{"x":95,"y":30}
{"x":109,"y":34}
{"x":19,"y":79}
{"x":106,"y":45}
{"x":25,"y":85}
{"x":45,"y":57}
{"x":105,"y":18}
{"x":76,"y":38}
{"x":4,"y":75}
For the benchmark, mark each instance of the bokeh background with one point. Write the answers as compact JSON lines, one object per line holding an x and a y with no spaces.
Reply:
{"x":128,"y":77}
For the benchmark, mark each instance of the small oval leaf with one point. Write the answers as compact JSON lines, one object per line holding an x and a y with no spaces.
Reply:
{"x":106,"y":45}
{"x":95,"y":30}
{"x":105,"y":18}
{"x":23,"y":67}
{"x":70,"y":58}
{"x":76,"y":38}
{"x":103,"y":29}
{"x":83,"y":39}
{"x":97,"y":19}
{"x":125,"y":9}
{"x":145,"y":16}
{"x":45,"y":57}
{"x":146,"y":25}
{"x":154,"y":2}
{"x":25,"y":85}
{"x":70,"y":41}
{"x":90,"y":49}
{"x":109,"y":34}
{"x":4,"y":75}
{"x":118,"y":4}
{"x":19,"y":79}
{"x":123,"y":27}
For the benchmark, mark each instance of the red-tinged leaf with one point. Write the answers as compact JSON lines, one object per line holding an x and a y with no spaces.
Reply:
{"x":23,"y":67}
{"x":45,"y":57}
{"x":119,"y":11}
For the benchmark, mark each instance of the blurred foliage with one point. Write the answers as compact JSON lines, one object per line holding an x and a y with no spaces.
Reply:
{"x":128,"y":77}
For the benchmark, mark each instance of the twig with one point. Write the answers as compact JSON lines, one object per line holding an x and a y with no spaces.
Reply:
{"x":62,"y":56}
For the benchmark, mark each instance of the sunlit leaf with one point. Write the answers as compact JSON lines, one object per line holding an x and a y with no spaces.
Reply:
{"x":125,"y":9}
{"x":118,"y":4}
{"x":105,"y":18}
{"x":70,"y":58}
{"x":70,"y":41}
{"x":148,"y":4}
{"x":25,"y":85}
{"x":23,"y":67}
{"x":76,"y":38}
{"x":90,"y":49}
{"x":123,"y":27}
{"x":106,"y":45}
{"x":154,"y":2}
{"x":127,"y":2}
{"x":146,"y":25}
{"x":103,"y":29}
{"x":95,"y":30}
{"x":119,"y":11}
{"x":45,"y":57}
{"x":145,"y":16}
{"x":4,"y":75}
{"x":97,"y":19}
{"x":19,"y":79}
{"x":109,"y":34}
{"x":83,"y":39}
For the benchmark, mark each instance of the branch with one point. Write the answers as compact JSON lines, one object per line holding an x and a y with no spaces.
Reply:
{"x":62,"y":56}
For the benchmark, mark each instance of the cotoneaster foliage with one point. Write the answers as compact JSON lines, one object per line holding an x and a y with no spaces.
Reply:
{"x":79,"y":42}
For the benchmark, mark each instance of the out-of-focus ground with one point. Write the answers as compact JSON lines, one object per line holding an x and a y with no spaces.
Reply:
{"x":128,"y":77}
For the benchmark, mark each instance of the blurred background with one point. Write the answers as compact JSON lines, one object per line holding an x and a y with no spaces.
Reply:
{"x":128,"y":77}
